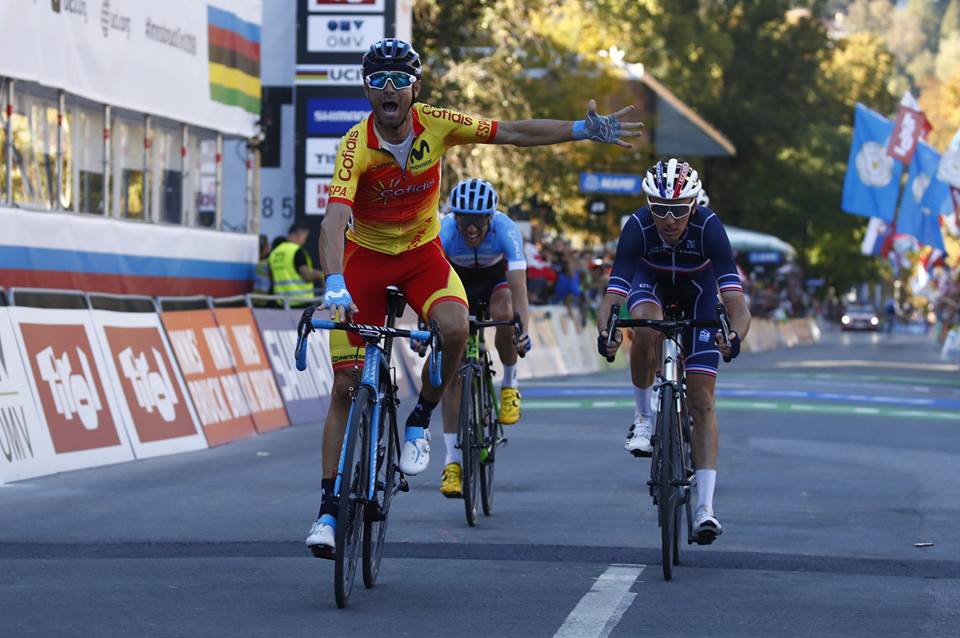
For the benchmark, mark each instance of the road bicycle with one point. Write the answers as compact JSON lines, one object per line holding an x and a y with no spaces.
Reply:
{"x":671,"y":466}
{"x":480,"y":432}
{"x":368,"y":474}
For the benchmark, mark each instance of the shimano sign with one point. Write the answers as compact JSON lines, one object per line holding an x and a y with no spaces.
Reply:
{"x":335,"y":116}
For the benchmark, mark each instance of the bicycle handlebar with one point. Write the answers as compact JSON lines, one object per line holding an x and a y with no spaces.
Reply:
{"x":663,"y":325}
{"x":432,"y":337}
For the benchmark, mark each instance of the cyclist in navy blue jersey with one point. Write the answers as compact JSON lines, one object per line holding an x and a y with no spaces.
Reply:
{"x":485,"y":247}
{"x":673,"y":249}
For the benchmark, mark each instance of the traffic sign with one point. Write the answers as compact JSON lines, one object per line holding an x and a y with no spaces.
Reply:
{"x":613,"y":183}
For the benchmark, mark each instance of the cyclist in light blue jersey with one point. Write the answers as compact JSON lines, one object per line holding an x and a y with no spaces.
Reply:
{"x":486,"y":249}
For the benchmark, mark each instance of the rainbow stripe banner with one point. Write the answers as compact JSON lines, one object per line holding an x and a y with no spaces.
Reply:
{"x":234,"y":53}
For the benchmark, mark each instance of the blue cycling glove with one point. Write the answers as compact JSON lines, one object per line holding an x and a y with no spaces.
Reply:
{"x":605,"y":129}
{"x":336,"y":295}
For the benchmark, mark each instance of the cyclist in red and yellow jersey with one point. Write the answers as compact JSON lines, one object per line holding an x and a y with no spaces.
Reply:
{"x":385,"y":192}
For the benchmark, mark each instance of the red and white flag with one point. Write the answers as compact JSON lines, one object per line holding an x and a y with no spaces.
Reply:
{"x":911,"y":125}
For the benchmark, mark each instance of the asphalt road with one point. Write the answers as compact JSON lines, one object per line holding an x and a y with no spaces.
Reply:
{"x":836,"y":459}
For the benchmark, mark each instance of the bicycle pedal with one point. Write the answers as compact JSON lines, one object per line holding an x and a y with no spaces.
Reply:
{"x":403,"y":485}
{"x":323,"y":551}
{"x":374,"y":514}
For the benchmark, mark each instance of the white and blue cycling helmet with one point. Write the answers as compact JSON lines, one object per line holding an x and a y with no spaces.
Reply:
{"x":474,"y":196}
{"x":672,"y":179}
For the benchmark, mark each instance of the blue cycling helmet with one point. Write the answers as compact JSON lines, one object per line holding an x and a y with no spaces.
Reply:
{"x":391,"y":54}
{"x":474,"y":197}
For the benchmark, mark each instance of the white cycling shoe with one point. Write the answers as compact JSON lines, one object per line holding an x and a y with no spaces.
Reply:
{"x":415,"y":452}
{"x":638,"y":436}
{"x":706,"y":526}
{"x":321,"y":538}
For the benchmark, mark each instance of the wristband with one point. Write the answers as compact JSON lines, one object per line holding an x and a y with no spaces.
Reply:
{"x":580,"y":130}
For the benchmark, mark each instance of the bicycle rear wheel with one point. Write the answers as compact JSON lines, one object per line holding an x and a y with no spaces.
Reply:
{"x":375,"y":522}
{"x":491,"y":435}
{"x":666,"y":486}
{"x":352,"y":495}
{"x":470,"y":466}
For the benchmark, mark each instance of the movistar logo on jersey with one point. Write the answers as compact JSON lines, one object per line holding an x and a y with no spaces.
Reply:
{"x":417,"y":152}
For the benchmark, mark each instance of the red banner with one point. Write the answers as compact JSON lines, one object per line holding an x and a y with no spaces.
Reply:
{"x":910,"y":127}
{"x":69,"y":387}
{"x":207,"y":365}
{"x":253,"y":368}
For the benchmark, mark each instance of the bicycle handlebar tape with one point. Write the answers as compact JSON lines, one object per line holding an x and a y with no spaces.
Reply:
{"x":302,"y":353}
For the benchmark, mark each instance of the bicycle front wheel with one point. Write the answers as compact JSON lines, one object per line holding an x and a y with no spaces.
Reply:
{"x":491,"y":436}
{"x":375,"y":523}
{"x":352,"y":496}
{"x":666,"y":481}
{"x":470,"y":465}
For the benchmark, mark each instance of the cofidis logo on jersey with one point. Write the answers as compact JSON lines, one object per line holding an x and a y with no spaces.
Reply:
{"x":335,"y":116}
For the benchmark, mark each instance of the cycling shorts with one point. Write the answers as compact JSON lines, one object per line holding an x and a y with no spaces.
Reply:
{"x":698,"y":298}
{"x":423,"y":274}
{"x":480,"y":283}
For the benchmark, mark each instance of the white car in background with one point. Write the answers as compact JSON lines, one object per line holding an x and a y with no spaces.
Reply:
{"x":860,"y":317}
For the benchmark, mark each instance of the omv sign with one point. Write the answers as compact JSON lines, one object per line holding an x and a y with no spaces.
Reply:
{"x":348,"y":33}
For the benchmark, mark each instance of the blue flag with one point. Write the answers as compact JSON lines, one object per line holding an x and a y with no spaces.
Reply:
{"x":873,"y":177}
{"x":924,"y":198}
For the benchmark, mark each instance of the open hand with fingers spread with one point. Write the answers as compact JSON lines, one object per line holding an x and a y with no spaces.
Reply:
{"x":606,"y":129}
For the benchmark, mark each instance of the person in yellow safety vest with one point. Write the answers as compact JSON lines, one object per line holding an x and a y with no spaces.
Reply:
{"x":292,"y":269}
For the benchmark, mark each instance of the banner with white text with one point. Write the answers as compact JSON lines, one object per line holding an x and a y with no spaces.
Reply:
{"x":151,"y":394}
{"x":195,"y":62}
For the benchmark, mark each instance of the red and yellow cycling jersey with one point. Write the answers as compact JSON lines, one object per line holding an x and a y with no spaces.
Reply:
{"x":395,"y":210}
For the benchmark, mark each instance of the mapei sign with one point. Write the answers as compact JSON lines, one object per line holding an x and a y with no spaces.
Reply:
{"x":335,"y":116}
{"x":348,"y":33}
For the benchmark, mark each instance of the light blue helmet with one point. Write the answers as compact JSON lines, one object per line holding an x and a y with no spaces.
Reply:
{"x":474,"y":197}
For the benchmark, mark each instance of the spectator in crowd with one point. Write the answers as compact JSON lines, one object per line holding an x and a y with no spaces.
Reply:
{"x":292,"y":269}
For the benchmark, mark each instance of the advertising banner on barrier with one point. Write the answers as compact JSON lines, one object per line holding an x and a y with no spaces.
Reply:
{"x":25,"y":447}
{"x":306,"y":394}
{"x":207,"y":365}
{"x":67,"y":373}
{"x":253,"y":367}
{"x":151,"y":395}
{"x":195,"y":62}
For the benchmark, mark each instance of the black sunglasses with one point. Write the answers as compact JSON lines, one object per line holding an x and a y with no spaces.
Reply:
{"x":477,"y":221}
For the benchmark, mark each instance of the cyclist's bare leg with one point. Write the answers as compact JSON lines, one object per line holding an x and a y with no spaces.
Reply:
{"x":451,"y":405}
{"x":336,"y":421}
{"x":700,"y":401}
{"x":501,"y":309}
{"x":643,"y":348}
{"x":453,"y":320}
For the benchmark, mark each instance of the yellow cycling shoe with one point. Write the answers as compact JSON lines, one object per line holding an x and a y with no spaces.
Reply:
{"x":450,"y":481}
{"x":509,"y":406}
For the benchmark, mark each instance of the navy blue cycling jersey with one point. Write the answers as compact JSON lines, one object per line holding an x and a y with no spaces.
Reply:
{"x":703,"y":245}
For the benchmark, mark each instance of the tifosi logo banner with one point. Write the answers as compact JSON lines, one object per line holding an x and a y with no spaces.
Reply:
{"x":343,"y":34}
{"x":69,"y":387}
{"x":155,"y":406}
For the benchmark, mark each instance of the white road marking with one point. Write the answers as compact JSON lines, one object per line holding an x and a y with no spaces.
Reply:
{"x":600,"y":609}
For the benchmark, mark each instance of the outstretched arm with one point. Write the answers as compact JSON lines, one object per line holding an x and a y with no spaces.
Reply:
{"x":606,"y":129}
